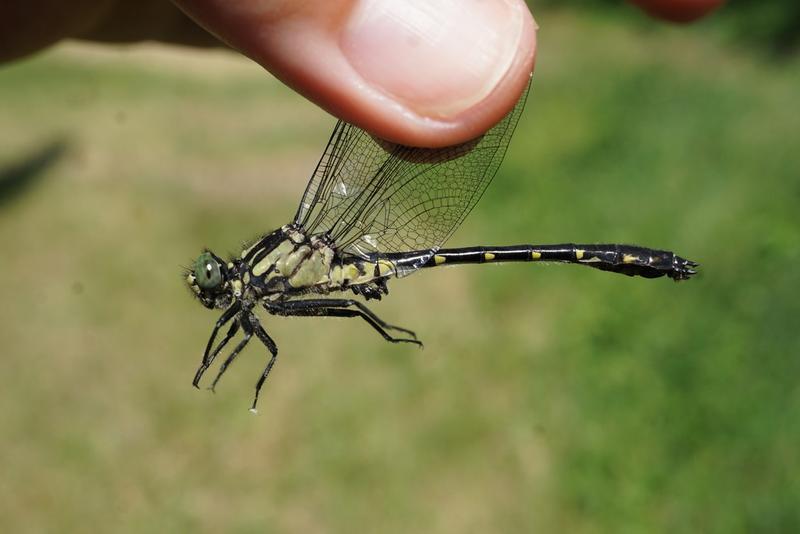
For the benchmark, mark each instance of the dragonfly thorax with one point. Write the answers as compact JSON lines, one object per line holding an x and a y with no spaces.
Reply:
{"x":285,"y":261}
{"x":289,"y":262}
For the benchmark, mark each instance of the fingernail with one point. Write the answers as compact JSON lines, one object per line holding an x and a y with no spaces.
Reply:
{"x":436,"y":57}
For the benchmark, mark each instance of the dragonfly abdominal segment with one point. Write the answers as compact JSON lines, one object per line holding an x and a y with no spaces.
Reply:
{"x":624,"y":259}
{"x":374,"y":211}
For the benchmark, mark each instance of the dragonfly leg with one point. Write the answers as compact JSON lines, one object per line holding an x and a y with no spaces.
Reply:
{"x":207,"y":362}
{"x":248,"y":333}
{"x":229,"y":314}
{"x":262,"y":335}
{"x":345,"y":303}
{"x":341,"y":308}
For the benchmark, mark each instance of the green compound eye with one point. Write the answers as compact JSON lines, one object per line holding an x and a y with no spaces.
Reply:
{"x":206,"y":272}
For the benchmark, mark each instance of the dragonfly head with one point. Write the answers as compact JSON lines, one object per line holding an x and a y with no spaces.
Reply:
{"x":210,"y":280}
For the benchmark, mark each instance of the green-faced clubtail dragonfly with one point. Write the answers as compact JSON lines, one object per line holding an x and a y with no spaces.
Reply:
{"x":373,"y":211}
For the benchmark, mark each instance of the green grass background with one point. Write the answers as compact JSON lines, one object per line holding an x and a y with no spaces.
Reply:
{"x":547,"y":399}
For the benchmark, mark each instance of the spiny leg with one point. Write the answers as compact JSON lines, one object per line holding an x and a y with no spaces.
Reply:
{"x":340,"y":308}
{"x":271,"y":347}
{"x":345,"y":312}
{"x":371,"y":314}
{"x":206,"y":363}
{"x":248,"y":333}
{"x":346,"y":303}
{"x":226,"y":316}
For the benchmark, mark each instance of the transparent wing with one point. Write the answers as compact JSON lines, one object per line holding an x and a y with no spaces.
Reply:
{"x":372,"y":196}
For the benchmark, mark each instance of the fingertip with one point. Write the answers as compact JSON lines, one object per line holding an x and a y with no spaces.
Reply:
{"x":439,"y":75}
{"x":416,"y":128}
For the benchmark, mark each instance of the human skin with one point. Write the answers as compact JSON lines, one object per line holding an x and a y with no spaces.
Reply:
{"x":423,"y":73}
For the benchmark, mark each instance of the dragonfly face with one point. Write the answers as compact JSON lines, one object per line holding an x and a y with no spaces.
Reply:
{"x":211,"y":281}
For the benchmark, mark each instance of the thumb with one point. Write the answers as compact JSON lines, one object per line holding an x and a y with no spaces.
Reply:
{"x":417,"y":72}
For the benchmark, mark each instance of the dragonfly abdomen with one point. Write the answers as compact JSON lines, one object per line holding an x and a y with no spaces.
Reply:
{"x":624,"y":259}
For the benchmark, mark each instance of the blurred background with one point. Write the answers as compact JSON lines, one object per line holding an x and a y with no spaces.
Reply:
{"x":547,"y":399}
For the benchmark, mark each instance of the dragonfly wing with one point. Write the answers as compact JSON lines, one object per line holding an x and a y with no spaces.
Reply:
{"x":371,"y":196}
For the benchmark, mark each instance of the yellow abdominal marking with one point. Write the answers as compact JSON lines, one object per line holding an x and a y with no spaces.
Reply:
{"x":385,"y":268}
{"x":627,"y":258}
{"x":488,"y":256}
{"x":340,"y":275}
{"x":536,"y":255}
{"x":438,"y":260}
{"x":579,"y":254}
{"x":370,"y":272}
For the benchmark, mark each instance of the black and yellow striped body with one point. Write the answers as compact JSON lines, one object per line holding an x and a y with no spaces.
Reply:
{"x":624,"y":259}
{"x":287,"y":271}
{"x":288,"y":262}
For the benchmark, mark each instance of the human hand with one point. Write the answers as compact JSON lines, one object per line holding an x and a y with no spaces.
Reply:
{"x":427,"y":73}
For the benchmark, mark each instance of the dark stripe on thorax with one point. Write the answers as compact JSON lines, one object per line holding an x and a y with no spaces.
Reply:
{"x":265,"y":245}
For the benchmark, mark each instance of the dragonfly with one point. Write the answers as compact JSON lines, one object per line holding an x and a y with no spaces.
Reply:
{"x":374,"y":211}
